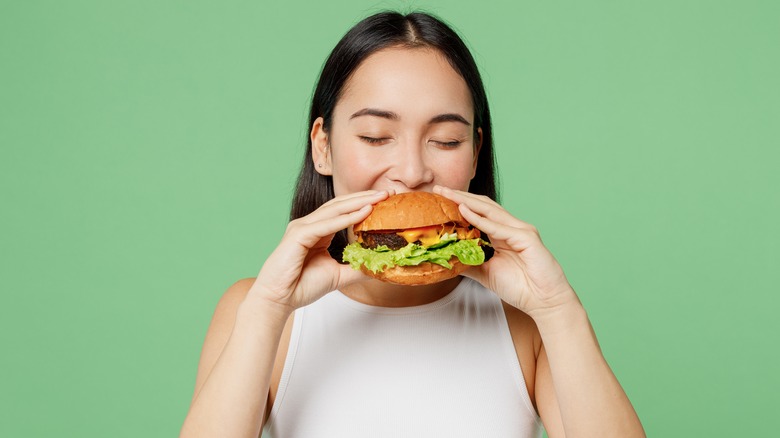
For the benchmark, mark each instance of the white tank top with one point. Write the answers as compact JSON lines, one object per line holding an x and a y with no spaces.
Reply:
{"x":444,"y":369}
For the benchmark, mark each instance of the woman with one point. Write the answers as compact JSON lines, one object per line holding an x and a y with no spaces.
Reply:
{"x":314,"y":348}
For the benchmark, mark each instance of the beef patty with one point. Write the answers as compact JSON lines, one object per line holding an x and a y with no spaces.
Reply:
{"x":391,"y":240}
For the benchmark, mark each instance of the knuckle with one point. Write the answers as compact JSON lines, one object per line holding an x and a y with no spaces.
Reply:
{"x":293,"y":225}
{"x":532,"y":230}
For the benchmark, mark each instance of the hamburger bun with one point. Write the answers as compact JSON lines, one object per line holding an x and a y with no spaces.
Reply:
{"x":424,"y":273}
{"x":411,"y":210}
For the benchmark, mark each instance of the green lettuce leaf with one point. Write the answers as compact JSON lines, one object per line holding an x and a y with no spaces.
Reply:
{"x":377,"y":260}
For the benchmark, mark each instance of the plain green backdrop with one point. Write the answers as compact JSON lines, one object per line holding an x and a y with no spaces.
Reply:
{"x":148,"y":150}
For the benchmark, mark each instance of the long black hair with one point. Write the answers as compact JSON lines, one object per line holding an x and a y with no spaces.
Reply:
{"x":379,"y":31}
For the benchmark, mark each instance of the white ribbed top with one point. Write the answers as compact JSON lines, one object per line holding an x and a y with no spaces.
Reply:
{"x":444,"y":369}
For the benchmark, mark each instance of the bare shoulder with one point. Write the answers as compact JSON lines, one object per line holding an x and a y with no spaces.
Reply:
{"x":528,"y":344}
{"x":220,"y":328}
{"x":225,"y":312}
{"x":236,"y":293}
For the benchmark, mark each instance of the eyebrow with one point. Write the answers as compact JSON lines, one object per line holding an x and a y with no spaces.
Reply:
{"x":441,"y":118}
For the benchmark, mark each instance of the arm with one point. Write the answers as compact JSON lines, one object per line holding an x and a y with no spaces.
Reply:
{"x":232,"y":386}
{"x":235,"y":367}
{"x":576,"y":392}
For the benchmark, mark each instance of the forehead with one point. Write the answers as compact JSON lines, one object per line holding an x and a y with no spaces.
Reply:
{"x":412,"y":82}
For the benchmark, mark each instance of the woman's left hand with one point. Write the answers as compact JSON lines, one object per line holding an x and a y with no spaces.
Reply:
{"x":522,"y":271}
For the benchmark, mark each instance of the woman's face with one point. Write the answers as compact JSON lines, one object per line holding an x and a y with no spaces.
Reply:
{"x":404,"y":122}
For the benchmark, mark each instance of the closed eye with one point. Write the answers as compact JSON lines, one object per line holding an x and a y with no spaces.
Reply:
{"x":372,"y":140}
{"x":449,"y":144}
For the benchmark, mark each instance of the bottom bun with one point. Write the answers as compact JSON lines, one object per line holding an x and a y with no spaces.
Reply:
{"x":424,"y":273}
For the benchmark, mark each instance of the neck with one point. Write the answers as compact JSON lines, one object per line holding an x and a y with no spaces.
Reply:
{"x":376,"y":293}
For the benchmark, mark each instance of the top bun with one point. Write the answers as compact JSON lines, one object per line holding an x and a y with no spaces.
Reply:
{"x":411,"y":210}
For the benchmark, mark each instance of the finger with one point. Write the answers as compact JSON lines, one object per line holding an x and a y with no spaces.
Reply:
{"x":350,"y":196}
{"x":309,"y":234}
{"x":460,"y":196}
{"x":348,"y":276}
{"x":340,"y":206}
{"x":478,"y":203}
{"x":518,"y":238}
{"x":477,"y":273}
{"x":482,"y":205}
{"x":390,"y":192}
{"x":351,"y":201}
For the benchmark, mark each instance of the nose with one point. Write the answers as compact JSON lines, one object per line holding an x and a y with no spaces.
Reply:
{"x":411,"y":168}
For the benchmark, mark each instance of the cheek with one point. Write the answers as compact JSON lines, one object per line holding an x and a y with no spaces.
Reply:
{"x":355,"y":169}
{"x":455,"y":170}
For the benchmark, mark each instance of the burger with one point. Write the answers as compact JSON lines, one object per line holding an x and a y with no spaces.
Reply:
{"x":415,"y":238}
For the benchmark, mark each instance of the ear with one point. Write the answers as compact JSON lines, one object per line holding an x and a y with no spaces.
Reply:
{"x":477,"y":148}
{"x":320,"y":152}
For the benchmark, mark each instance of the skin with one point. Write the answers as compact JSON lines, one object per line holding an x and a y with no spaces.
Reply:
{"x":570,"y":383}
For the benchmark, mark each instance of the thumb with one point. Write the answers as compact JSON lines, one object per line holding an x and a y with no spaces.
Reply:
{"x":477,"y":273}
{"x":348,"y":276}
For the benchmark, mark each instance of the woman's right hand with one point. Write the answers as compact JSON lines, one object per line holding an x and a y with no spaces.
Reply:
{"x":300,"y":270}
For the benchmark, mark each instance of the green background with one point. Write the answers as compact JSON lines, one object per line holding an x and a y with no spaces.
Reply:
{"x":148,"y":151}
